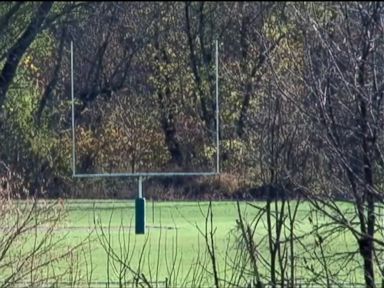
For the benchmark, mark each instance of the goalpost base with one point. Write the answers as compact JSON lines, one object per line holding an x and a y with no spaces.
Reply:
{"x":140,"y":215}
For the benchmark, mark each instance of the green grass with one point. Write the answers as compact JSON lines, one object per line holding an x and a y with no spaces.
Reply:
{"x":173,"y":246}
{"x":172,"y":232}
{"x":173,"y":235}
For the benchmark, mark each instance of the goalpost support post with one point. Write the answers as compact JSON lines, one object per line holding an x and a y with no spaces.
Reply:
{"x":140,"y":210}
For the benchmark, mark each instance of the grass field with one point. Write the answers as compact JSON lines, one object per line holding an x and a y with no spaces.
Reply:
{"x":173,"y":242}
{"x":173,"y":247}
{"x":172,"y":233}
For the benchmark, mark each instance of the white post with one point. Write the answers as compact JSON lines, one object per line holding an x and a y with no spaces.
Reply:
{"x":217,"y":109}
{"x":140,"y":187}
{"x":73,"y":116}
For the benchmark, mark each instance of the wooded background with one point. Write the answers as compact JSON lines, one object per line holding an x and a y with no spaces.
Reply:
{"x":301,"y":89}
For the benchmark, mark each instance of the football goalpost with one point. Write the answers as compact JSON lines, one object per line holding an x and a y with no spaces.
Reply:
{"x":140,"y":222}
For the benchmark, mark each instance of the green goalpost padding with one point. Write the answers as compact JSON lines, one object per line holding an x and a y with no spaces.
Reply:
{"x":140,"y":215}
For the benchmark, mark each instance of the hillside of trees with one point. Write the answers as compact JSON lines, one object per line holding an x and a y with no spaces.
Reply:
{"x":301,"y":88}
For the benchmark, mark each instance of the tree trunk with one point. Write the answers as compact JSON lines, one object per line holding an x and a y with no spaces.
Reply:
{"x":17,"y":51}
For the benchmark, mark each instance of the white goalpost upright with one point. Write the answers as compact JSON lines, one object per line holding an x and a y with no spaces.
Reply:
{"x":140,"y":201}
